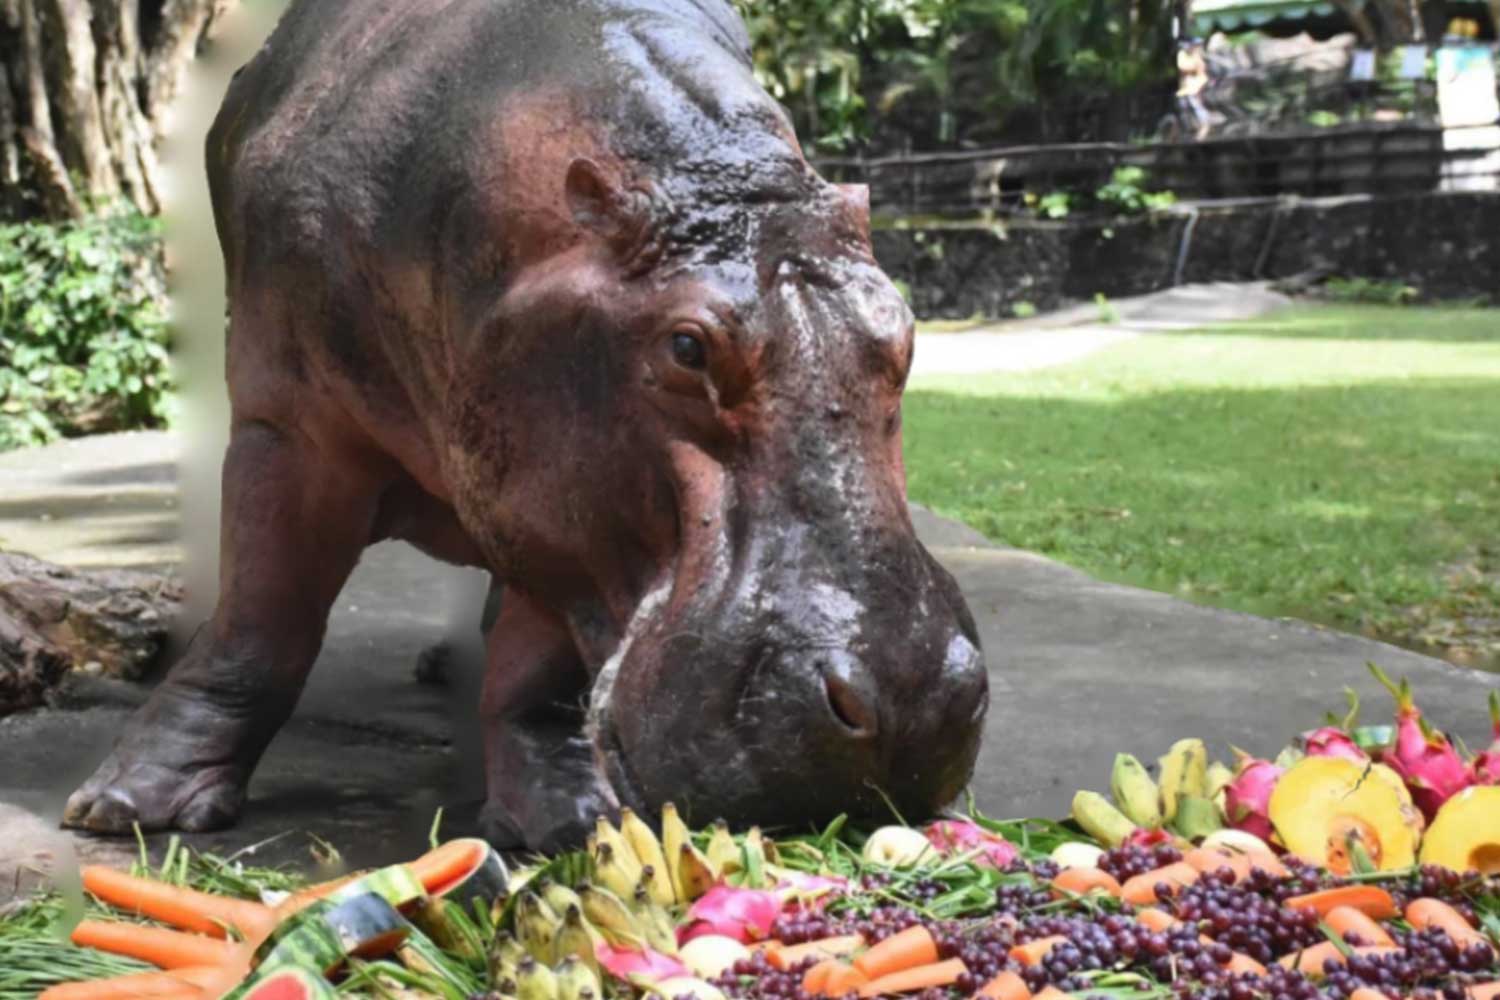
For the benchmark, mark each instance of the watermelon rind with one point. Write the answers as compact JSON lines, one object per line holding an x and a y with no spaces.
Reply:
{"x":328,"y":932}
{"x":397,"y":885}
{"x":487,"y":882}
{"x":269,"y":984}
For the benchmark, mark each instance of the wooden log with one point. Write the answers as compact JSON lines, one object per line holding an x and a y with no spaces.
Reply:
{"x":54,"y":619}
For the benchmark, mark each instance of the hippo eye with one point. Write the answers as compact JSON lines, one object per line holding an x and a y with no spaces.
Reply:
{"x":689,"y":352}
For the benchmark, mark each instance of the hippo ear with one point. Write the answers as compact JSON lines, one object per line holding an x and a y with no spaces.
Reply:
{"x":620,"y":216}
{"x":857,"y":197}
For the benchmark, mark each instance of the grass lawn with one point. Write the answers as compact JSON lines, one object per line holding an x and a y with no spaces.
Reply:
{"x":1335,"y":463}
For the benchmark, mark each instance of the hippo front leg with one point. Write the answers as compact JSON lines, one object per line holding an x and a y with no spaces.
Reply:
{"x":544,"y":788}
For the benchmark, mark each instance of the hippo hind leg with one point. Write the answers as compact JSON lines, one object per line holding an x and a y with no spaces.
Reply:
{"x":295,"y":519}
{"x":543,"y":786}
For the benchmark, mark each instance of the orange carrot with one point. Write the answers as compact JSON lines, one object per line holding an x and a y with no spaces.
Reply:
{"x":921,"y":977}
{"x":181,"y":907}
{"x":1157,"y":921}
{"x":1053,"y":993}
{"x":164,"y":948}
{"x":785,"y":957}
{"x":1485,"y":991}
{"x":1373,"y":901}
{"x":903,"y":950}
{"x":1082,"y":881}
{"x":814,"y":979}
{"x":1312,"y":960}
{"x":1036,"y":952}
{"x":1208,"y":859}
{"x":1240,"y":963}
{"x":1346,"y":920}
{"x":1006,"y":986}
{"x":142,"y":984}
{"x":1141,"y":890}
{"x":844,"y":980}
{"x":1365,"y":993}
{"x":1426,"y":912}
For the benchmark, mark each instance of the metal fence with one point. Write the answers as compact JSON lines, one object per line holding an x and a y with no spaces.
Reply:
{"x":1399,"y":158}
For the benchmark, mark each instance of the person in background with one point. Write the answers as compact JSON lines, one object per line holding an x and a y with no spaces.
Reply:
{"x":1192,"y":76}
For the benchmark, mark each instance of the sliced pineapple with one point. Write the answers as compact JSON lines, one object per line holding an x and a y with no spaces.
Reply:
{"x":1465,"y":834}
{"x":1326,"y":808}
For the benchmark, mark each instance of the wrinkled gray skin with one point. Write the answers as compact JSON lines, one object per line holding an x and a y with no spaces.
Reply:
{"x":546,"y":287}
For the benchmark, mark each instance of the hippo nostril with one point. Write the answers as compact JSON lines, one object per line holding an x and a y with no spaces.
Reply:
{"x":852,"y":707}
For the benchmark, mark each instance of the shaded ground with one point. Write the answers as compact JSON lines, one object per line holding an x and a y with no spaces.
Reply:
{"x":1080,"y":669}
{"x":1336,"y":464}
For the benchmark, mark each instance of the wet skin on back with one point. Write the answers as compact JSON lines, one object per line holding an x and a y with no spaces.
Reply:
{"x":547,"y":287}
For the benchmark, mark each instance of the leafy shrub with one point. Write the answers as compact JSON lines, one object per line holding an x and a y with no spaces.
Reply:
{"x":83,"y":337}
{"x":1127,"y":193}
{"x":1369,"y":291}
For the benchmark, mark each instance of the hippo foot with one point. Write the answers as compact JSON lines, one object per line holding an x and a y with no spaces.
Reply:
{"x":176,"y":767}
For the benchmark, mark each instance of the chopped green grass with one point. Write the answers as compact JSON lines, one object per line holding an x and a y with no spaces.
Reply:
{"x":1340,"y":464}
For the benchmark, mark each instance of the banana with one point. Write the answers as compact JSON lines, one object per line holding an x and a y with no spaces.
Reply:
{"x":505,"y":955}
{"x":611,"y":917}
{"x":559,"y":897}
{"x":723,"y":853}
{"x":648,"y":848}
{"x":1220,"y":776}
{"x":1101,"y":820}
{"x":536,"y":925}
{"x":577,"y":938}
{"x":674,"y":833}
{"x":612,"y":874}
{"x":696,"y":873}
{"x":660,"y":934}
{"x":1184,"y":772}
{"x":576,"y":979}
{"x":1197,"y":818}
{"x":754,"y":853}
{"x":606,"y":833}
{"x":535,"y":981}
{"x":1135,"y":793}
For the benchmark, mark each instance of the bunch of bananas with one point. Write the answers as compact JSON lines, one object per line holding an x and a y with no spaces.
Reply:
{"x":640,"y":881}
{"x":1183,"y":800}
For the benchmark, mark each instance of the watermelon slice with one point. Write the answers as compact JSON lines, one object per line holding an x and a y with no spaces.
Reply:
{"x":285,"y":984}
{"x":397,"y":885}
{"x":464,"y":871}
{"x":329,"y":932}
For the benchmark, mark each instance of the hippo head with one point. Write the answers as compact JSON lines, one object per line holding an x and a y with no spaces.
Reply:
{"x":698,"y":432}
{"x":795,"y":651}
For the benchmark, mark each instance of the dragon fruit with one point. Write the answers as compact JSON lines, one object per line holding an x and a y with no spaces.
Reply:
{"x":953,"y":836}
{"x":743,"y":914}
{"x":1247,"y":799}
{"x":1334,"y":739}
{"x":1487,"y":762}
{"x":643,"y":963}
{"x":1422,"y":756}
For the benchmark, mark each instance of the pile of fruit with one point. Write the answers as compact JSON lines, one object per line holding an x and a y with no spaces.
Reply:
{"x":1303,"y":879}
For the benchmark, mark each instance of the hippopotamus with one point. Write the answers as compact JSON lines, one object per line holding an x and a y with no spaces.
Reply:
{"x":548,"y":287}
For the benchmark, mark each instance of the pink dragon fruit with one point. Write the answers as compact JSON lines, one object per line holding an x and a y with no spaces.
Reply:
{"x":953,"y":836}
{"x":1333,"y":740}
{"x":1424,"y":758}
{"x":1141,"y":837}
{"x":1487,"y":762}
{"x":645,"y":964}
{"x":1247,"y":799}
{"x":743,"y":914}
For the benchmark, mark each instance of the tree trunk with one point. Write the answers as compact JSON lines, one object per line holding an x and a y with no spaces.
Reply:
{"x":84,"y":87}
{"x":53,"y":620}
{"x":1354,"y":10}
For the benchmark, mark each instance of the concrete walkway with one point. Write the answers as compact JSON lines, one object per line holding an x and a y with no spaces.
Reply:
{"x":1079,"y":670}
{"x":1073,"y":334}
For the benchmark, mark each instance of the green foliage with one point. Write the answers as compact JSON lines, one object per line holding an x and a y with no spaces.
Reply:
{"x":1052,"y":205}
{"x":948,"y":69}
{"x":83,"y":339}
{"x":1369,"y":291}
{"x":1127,"y":193}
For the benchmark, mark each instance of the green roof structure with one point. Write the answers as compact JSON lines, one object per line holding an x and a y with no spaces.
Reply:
{"x":1246,"y":15}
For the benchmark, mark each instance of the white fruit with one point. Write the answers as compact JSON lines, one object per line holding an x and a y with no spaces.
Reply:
{"x":1075,"y":854}
{"x":708,"y":956}
{"x":1238,"y":841}
{"x":898,"y":846}
{"x":682,"y":986}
